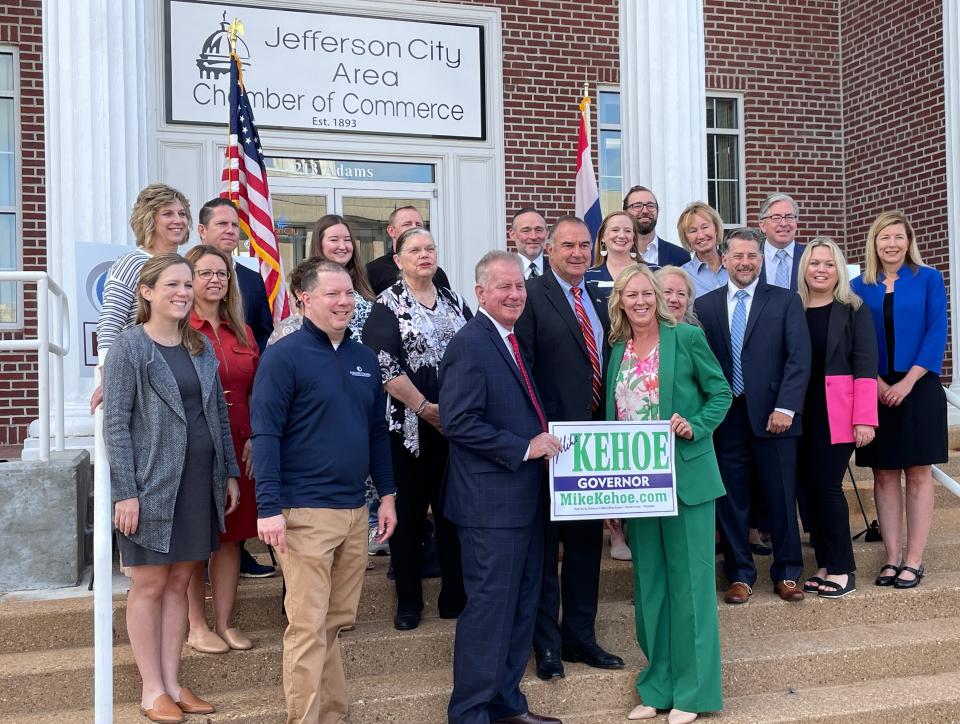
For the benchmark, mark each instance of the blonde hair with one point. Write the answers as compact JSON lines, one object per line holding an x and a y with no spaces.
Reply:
{"x":690,"y":316}
{"x":699,"y":208}
{"x":194,"y":342}
{"x":230,"y":308}
{"x":619,"y":325}
{"x":143,"y":217}
{"x":598,"y":244}
{"x":841,"y":292}
{"x":872,"y":260}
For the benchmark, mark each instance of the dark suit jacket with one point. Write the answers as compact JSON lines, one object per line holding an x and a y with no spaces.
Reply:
{"x":554,"y":349}
{"x":489,"y":419}
{"x":794,"y":273}
{"x":670,"y":254}
{"x":775,"y":356}
{"x":256,"y":308}
{"x":383,"y":273}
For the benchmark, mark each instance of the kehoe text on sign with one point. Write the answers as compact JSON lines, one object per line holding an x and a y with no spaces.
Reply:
{"x":315,"y":70}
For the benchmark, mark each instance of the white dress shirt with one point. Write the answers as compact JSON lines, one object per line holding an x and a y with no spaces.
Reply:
{"x":770,"y":262}
{"x":527,"y":263}
{"x":651,"y":254}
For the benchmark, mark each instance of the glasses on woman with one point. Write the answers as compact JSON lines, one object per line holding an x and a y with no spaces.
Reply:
{"x":208,"y":274}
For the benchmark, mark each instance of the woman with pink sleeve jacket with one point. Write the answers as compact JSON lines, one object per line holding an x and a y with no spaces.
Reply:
{"x":840,"y":411}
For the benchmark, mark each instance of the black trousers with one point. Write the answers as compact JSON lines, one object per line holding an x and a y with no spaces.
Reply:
{"x":419,"y":482}
{"x":820,"y":477}
{"x":577,"y":586}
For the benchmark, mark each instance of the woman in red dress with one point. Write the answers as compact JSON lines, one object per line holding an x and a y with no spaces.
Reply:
{"x":217,"y":313}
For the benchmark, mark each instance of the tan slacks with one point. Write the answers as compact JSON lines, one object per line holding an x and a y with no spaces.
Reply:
{"x":323,"y":569}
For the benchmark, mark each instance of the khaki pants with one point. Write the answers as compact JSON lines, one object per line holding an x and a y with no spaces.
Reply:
{"x":323,"y":568}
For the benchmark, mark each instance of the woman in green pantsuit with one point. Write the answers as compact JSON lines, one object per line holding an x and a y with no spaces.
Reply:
{"x":660,"y":370}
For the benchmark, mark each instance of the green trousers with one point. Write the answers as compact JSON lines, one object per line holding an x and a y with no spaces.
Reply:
{"x":675,"y":595}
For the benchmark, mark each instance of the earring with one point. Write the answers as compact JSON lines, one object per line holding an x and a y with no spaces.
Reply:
{"x":603,"y":249}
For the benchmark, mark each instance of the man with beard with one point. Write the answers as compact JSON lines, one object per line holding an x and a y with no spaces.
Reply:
{"x":758,"y":333}
{"x":642,"y":205}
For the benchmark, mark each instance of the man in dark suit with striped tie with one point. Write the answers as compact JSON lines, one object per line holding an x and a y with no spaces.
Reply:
{"x":493,"y":417}
{"x":563,"y":336}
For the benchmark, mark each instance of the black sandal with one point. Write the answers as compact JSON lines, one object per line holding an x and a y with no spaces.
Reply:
{"x":812,"y":584}
{"x":834,"y":590}
{"x":917,"y":572}
{"x":883,"y":580}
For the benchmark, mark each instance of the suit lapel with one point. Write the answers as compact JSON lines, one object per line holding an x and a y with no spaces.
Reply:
{"x":760,"y":296}
{"x":668,"y":358}
{"x":206,"y":367}
{"x":558,"y":299}
{"x":722,"y":320}
{"x":163,"y":382}
{"x":507,"y":355}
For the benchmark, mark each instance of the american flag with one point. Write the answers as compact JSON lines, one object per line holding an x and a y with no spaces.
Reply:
{"x":244,"y":180}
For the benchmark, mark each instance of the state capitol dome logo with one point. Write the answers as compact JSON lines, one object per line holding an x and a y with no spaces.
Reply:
{"x":214,"y":58}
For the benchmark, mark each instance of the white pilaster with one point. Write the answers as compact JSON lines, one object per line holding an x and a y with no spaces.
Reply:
{"x":951,"y":70}
{"x":663,"y":103}
{"x":97,"y":118}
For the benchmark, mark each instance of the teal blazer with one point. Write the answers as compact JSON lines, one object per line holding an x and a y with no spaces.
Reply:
{"x":692,"y":384}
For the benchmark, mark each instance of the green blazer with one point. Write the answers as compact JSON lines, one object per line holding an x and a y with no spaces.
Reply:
{"x":692,"y":384}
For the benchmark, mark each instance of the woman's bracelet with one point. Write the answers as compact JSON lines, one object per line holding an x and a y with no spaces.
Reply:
{"x":422,"y":406}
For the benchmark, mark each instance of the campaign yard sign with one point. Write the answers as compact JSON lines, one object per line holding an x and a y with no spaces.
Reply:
{"x":613,"y":470}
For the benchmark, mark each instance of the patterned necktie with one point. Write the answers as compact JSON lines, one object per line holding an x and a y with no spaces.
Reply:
{"x":783,"y":270}
{"x":512,"y":338}
{"x":591,"y":342}
{"x":737,"y":327}
{"x":533,"y":272}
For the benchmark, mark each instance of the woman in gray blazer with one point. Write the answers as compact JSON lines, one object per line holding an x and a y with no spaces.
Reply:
{"x":173,"y":473}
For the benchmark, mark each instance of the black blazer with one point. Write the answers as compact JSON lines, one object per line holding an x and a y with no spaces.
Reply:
{"x":851,"y":342}
{"x":794,"y":273}
{"x":670,"y":254}
{"x":553,"y":347}
{"x":256,"y":308}
{"x":776,"y":352}
{"x":383,"y":273}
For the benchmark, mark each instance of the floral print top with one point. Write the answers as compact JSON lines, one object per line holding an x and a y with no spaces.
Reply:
{"x":410,"y":340}
{"x":637,"y":393}
{"x":295,"y":321}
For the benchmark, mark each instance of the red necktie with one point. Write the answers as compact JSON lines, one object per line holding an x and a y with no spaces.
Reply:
{"x":587,"y":330}
{"x":512,"y":338}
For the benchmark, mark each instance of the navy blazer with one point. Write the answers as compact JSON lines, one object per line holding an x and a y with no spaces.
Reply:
{"x":554,"y":350}
{"x":670,"y":254}
{"x":489,"y":419}
{"x":794,"y":274}
{"x":919,"y":318}
{"x":775,"y":356}
{"x":256,"y":308}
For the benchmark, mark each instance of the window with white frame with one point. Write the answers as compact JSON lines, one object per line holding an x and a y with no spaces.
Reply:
{"x":9,"y":184}
{"x":725,"y":187}
{"x":608,"y":132}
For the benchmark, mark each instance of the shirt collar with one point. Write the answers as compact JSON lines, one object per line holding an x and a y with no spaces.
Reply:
{"x":566,"y":287}
{"x":500,"y":328}
{"x":750,"y":289}
{"x":527,"y":262}
{"x":770,"y":251}
{"x":323,"y":336}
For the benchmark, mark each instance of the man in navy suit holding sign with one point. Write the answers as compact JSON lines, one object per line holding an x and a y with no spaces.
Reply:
{"x":493,"y":417}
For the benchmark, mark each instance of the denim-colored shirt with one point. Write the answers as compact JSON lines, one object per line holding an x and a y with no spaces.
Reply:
{"x":704,"y":278}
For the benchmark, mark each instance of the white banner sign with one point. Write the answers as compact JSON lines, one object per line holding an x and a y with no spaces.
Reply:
{"x":321,"y":71}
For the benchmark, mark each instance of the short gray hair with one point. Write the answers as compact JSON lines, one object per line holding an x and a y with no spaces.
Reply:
{"x":567,"y":219}
{"x":482,"y":272}
{"x":774,"y":198}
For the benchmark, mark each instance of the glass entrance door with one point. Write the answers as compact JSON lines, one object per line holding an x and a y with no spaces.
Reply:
{"x":368,"y":210}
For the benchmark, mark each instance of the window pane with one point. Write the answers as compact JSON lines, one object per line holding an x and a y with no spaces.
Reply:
{"x":8,"y":262}
{"x":6,"y":72}
{"x":711,"y":113}
{"x":368,"y":216}
{"x":711,"y":157}
{"x":608,"y":108}
{"x":611,"y":181}
{"x":728,"y":201}
{"x":7,"y":166}
{"x":726,"y":157}
{"x":726,"y":113}
{"x":294,"y":217}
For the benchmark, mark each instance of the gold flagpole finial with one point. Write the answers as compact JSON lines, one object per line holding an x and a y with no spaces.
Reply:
{"x":234,"y":29}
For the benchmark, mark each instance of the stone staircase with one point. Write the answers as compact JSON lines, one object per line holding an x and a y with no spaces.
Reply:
{"x":879,"y":655}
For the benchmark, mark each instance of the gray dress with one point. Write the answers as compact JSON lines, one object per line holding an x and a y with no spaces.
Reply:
{"x":195,"y":526}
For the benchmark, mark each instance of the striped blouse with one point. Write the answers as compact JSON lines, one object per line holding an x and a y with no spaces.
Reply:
{"x":119,"y":309}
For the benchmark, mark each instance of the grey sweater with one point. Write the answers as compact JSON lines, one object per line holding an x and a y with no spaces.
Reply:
{"x":146,"y":432}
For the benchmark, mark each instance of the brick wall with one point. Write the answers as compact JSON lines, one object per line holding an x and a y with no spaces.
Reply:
{"x":894,"y":122}
{"x":20,"y":27}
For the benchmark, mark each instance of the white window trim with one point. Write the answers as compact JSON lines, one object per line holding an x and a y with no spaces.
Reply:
{"x":740,"y":132}
{"x":17,"y":208}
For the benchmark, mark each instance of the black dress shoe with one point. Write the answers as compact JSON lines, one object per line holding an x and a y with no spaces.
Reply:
{"x":406,"y":621}
{"x":549,"y":665}
{"x":592,"y":655}
{"x":528,"y":718}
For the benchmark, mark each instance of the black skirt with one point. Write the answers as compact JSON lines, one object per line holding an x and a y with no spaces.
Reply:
{"x":915,"y":433}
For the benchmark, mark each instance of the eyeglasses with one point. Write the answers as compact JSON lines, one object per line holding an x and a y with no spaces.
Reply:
{"x":777,"y":218}
{"x":208,"y":274}
{"x":640,"y":206}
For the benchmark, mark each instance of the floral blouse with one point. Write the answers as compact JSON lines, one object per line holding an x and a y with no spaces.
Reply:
{"x":295,"y":321}
{"x":410,"y":340}
{"x":637,"y":393}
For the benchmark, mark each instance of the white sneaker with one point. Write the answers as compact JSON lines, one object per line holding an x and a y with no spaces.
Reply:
{"x":374,"y":548}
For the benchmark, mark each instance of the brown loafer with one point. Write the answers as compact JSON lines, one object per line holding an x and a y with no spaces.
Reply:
{"x":190,"y":703}
{"x":164,"y":710}
{"x":208,"y":642}
{"x":237,"y":639}
{"x":739,"y":592}
{"x":788,"y":590}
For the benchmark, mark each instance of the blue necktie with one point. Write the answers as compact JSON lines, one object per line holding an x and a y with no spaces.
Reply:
{"x":737,"y":327}
{"x":783,"y":270}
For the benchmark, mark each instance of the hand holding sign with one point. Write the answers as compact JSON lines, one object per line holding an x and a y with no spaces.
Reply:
{"x":544,"y":445}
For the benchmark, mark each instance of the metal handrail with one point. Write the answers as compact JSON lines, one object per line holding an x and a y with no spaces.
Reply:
{"x":44,"y":347}
{"x":941,"y":477}
{"x":102,"y":571}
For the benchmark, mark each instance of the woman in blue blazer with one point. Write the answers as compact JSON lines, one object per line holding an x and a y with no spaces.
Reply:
{"x":908,"y":304}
